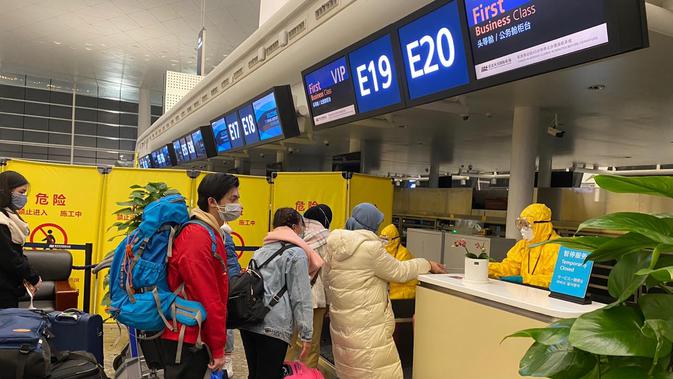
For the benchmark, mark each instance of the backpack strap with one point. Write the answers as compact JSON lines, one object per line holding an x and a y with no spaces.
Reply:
{"x":213,"y":240}
{"x":276,"y":298}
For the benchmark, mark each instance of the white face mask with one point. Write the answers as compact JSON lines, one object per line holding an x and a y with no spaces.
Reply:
{"x":230,"y":212}
{"x":527,"y":234}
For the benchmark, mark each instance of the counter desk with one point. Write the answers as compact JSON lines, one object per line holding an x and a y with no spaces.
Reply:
{"x":460,"y":326}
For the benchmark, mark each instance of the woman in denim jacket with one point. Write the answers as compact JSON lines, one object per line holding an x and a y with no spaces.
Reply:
{"x":266,"y":343}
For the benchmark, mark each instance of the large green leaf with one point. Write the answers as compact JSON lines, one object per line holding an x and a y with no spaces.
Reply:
{"x":660,"y":329}
{"x":649,"y":185}
{"x":557,"y":361}
{"x":612,"y":331}
{"x":588,"y":243}
{"x":657,"y":306}
{"x":665,"y":260}
{"x":124,"y":212}
{"x":135,"y":186}
{"x":554,"y":334}
{"x":595,"y":373}
{"x":662,"y":275}
{"x":623,"y":282}
{"x":634,"y":373}
{"x":649,"y":226}
{"x":617,"y":247}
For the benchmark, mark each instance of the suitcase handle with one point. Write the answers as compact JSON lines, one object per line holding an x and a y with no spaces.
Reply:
{"x":71,"y":313}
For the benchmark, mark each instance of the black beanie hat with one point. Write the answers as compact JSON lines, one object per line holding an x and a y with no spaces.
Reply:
{"x":321,"y":213}
{"x":9,"y":180}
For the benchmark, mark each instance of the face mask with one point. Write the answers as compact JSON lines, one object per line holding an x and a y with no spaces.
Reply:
{"x":19,"y":200}
{"x":230,"y":212}
{"x":527,"y":234}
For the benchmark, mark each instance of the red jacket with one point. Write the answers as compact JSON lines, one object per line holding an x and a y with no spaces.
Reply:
{"x":206,"y":281}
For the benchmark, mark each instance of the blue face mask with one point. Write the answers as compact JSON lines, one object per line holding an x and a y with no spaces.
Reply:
{"x":19,"y":200}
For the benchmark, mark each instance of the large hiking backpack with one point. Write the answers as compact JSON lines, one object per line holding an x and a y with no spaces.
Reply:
{"x":245,"y":306}
{"x":139,"y":292}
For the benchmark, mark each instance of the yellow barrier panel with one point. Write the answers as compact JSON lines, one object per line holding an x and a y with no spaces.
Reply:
{"x":304,"y":190}
{"x":63,"y":208}
{"x":117,"y":190}
{"x":251,"y":228}
{"x":375,"y":190}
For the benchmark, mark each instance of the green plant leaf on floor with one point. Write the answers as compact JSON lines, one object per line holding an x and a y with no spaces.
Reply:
{"x":554,"y":334}
{"x":612,"y":331}
{"x":557,"y":361}
{"x":649,"y":226}
{"x":651,"y":185}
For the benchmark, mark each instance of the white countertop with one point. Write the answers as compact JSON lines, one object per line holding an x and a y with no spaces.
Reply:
{"x":515,"y":295}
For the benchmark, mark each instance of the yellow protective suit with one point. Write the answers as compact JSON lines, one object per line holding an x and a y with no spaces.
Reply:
{"x":535,"y":265}
{"x":399,"y":291}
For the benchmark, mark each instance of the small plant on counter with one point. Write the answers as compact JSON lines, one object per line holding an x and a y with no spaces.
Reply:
{"x":481,"y":247}
{"x":632,"y":337}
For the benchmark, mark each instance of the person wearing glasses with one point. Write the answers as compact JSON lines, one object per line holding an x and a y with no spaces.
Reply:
{"x":527,"y":264}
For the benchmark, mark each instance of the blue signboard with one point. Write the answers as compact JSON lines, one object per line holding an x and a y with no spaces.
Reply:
{"x":248,"y":124}
{"x":571,"y":275}
{"x":199,"y":145}
{"x":234,"y":130}
{"x":330,"y":91}
{"x":374,"y":73}
{"x":221,"y":135}
{"x":434,"y":54}
{"x":267,"y":118}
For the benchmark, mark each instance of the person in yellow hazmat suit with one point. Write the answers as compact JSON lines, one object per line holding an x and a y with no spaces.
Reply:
{"x":525,"y":264}
{"x":394,"y":247}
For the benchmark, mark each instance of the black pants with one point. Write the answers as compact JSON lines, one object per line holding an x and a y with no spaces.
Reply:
{"x":264,"y":354}
{"x":193,"y":363}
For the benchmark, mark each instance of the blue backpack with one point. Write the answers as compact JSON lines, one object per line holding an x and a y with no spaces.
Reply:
{"x":139,"y":292}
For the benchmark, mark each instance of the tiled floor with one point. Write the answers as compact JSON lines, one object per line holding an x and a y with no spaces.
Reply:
{"x":115,"y":341}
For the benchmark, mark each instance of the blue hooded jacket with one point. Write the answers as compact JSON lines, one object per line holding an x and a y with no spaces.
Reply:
{"x":233,"y":267}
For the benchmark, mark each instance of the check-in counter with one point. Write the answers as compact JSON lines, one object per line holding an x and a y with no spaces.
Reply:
{"x":460,"y":327}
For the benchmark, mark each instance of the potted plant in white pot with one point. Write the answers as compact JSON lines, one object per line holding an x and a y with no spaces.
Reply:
{"x":476,"y":266}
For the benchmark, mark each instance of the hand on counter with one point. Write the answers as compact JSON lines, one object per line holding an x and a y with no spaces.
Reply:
{"x":437,"y":268}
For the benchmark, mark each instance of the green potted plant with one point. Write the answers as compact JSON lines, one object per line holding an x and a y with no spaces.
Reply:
{"x":632,"y":337}
{"x":139,"y":198}
{"x":476,"y":266}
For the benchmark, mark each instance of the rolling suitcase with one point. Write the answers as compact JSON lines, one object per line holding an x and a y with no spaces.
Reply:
{"x":76,"y":365}
{"x":75,"y":330}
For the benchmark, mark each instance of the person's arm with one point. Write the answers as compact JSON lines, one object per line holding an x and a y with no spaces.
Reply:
{"x":200,"y":276}
{"x":299,"y":290}
{"x":233,"y":266}
{"x":390,"y":269}
{"x":511,"y":265}
{"x":13,"y":261}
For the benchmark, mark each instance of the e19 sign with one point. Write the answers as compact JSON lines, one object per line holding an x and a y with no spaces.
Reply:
{"x":434,"y":52}
{"x":374,"y":71}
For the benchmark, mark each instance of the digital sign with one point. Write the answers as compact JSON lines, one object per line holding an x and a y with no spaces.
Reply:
{"x":507,"y":35}
{"x":161,"y":158}
{"x":330,"y":92}
{"x":190,"y":147}
{"x":374,"y":73}
{"x":199,"y":145}
{"x":248,"y":124}
{"x":267,"y":117}
{"x":434,"y":55}
{"x":234,"y":130}
{"x":145,"y":162}
{"x":196,"y":145}
{"x":221,"y":135}
{"x":178,"y":151}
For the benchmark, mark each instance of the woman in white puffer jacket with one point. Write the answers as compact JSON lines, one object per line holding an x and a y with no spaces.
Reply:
{"x":357,"y":272}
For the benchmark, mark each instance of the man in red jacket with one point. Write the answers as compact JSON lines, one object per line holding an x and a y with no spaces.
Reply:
{"x":205,"y":279}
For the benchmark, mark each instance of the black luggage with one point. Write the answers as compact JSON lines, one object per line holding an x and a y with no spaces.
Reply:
{"x":75,"y":330}
{"x":76,"y":365}
{"x":24,"y":344}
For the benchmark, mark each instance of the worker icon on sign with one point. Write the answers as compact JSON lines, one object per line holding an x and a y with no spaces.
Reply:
{"x":49,"y":239}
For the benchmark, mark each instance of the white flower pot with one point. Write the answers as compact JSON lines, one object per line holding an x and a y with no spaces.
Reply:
{"x":476,"y":270}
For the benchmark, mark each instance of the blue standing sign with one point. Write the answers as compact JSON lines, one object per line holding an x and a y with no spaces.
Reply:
{"x":571,"y":275}
{"x":374,"y":72}
{"x":435,"y":58}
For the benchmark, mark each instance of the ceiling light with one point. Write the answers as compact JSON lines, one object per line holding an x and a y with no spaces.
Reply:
{"x":596,"y":87}
{"x":57,"y":43}
{"x":88,"y":48}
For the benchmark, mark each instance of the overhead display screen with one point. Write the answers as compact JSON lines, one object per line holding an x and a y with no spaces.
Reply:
{"x":248,"y":124}
{"x":374,"y":73}
{"x":435,"y":59}
{"x":199,"y":145}
{"x":145,"y":162}
{"x":267,"y":117}
{"x":161,"y":158}
{"x":506,"y":35}
{"x":330,"y":91}
{"x":178,"y":151}
{"x":234,"y":130}
{"x":221,"y":135}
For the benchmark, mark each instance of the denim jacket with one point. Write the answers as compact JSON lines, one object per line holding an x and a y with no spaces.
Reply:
{"x":295,"y":308}
{"x":233,"y":267}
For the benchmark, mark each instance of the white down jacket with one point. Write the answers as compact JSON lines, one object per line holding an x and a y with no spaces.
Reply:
{"x":356,"y":274}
